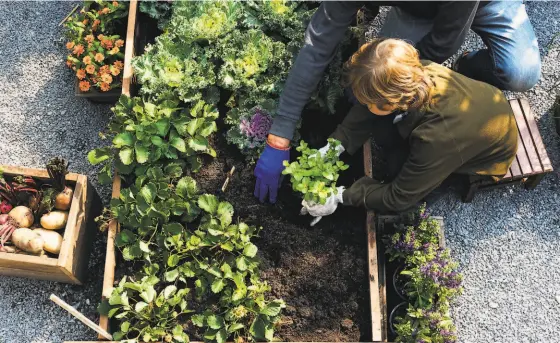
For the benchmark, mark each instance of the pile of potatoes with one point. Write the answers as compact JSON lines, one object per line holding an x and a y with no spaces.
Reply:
{"x":38,"y":240}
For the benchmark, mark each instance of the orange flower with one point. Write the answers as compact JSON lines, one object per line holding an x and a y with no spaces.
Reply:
{"x":100,"y":37}
{"x":113,"y":51}
{"x":106,"y":10}
{"x":99,"y":57}
{"x":87,"y":60}
{"x":89,"y":38}
{"x":105,"y":87}
{"x":119,"y":64}
{"x":115,"y":3}
{"x":69,"y":64}
{"x":104,"y":69}
{"x":119,"y":43}
{"x":94,"y":80}
{"x":107,"y":43}
{"x":106,"y":78}
{"x":84,"y":86}
{"x":78,"y":50}
{"x":69,"y":45}
{"x":85,"y":21}
{"x":115,"y":71}
{"x":96,"y":23}
{"x":81,"y":74}
{"x":99,"y":12}
{"x":90,"y":69}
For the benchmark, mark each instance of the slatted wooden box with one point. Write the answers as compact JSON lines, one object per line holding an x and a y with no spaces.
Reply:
{"x":72,"y":262}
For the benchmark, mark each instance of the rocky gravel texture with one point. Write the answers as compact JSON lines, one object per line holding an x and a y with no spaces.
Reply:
{"x":506,"y":240}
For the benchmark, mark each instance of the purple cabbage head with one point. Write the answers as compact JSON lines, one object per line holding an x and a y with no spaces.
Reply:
{"x":257,"y":127}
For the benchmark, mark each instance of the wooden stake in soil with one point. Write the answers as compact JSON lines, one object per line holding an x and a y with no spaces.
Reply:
{"x":80,"y":316}
{"x":229,"y":175}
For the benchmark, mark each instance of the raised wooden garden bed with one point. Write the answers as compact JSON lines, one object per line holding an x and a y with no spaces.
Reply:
{"x":71,"y":264}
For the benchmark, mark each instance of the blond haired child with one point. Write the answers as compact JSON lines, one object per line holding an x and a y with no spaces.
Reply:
{"x":430,"y":122}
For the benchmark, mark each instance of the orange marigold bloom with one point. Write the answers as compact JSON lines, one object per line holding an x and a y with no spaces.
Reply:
{"x":87,"y":60}
{"x":115,"y":71}
{"x":90,"y":69}
{"x":107,"y":78}
{"x":104,"y":69}
{"x":96,"y":23}
{"x":119,"y":43}
{"x":84,"y":86}
{"x":115,"y":3}
{"x":119,"y":64}
{"x":107,"y":43}
{"x":69,"y":45}
{"x":101,"y":37}
{"x":99,"y":57}
{"x":105,"y":87}
{"x":78,"y":50}
{"x":81,"y":74}
{"x":106,"y":10}
{"x":89,"y":38}
{"x":85,"y":21}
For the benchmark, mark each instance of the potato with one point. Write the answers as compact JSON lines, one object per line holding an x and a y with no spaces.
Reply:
{"x":54,"y":220}
{"x":28,"y":240}
{"x":53,"y":240}
{"x":63,"y":199}
{"x":22,"y":215}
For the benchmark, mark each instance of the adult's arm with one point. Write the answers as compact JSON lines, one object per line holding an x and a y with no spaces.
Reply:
{"x":422,"y":172}
{"x":451,"y":25}
{"x":325,"y":30}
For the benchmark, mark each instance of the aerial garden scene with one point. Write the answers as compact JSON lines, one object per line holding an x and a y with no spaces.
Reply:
{"x":288,"y":171}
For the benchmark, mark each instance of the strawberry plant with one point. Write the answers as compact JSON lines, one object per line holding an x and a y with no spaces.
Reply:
{"x":315,"y":175}
{"x":147,"y":134}
{"x":200,"y":269}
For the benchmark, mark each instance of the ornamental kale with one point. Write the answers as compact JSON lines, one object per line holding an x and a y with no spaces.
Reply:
{"x":315,"y":175}
{"x":159,"y":10}
{"x":249,"y":130}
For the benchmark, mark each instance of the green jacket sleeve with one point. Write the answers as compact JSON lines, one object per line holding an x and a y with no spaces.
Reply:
{"x":355,"y":129}
{"x":423,"y":171}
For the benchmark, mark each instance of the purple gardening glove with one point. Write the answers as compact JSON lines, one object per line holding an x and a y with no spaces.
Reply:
{"x":268,"y":171}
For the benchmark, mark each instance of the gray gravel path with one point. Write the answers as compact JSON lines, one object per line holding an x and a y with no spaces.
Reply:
{"x":506,"y":240}
{"x":41,"y":118}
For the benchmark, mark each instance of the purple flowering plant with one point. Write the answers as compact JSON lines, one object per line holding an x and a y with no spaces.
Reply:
{"x":433,"y":281}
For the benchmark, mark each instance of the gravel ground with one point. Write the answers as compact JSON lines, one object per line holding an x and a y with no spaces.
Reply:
{"x":505,"y":240}
{"x":43,"y":119}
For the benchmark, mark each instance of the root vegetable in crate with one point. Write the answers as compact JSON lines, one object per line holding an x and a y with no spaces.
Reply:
{"x":57,"y":169}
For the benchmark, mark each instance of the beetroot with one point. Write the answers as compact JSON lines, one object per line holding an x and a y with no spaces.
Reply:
{"x":5,"y":207}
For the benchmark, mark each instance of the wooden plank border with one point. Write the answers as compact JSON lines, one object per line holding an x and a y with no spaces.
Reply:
{"x":110,"y":257}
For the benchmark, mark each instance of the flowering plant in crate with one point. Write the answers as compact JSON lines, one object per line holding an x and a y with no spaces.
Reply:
{"x":96,"y":54}
{"x":433,"y":281}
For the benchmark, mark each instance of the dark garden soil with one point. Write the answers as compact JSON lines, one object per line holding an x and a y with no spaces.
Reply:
{"x":321,"y":271}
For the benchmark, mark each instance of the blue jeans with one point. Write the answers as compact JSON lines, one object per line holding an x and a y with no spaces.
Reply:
{"x":511,"y":60}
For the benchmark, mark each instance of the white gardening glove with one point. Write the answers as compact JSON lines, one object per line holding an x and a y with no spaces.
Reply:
{"x":319,"y":211}
{"x":339,"y":149}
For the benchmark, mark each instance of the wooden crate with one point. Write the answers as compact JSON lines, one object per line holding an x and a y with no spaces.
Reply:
{"x":72,"y":262}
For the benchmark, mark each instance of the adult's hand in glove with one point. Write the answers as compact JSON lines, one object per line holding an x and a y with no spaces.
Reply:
{"x":319,"y":211}
{"x":268,"y":171}
{"x":323,"y":151}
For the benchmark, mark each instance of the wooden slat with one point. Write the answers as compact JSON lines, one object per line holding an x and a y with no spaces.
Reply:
{"x":515,"y":169}
{"x":536,"y":135}
{"x":508,"y":174}
{"x":373,"y":270}
{"x":522,"y":158}
{"x":525,"y":138}
{"x":129,"y":47}
{"x":33,"y":172}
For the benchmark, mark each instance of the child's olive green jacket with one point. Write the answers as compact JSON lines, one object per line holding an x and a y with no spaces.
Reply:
{"x":468,"y":128}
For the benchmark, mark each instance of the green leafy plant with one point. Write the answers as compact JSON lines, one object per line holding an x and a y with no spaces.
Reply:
{"x":433,"y":281}
{"x":200,"y":269}
{"x":313,"y":174}
{"x":146,"y":134}
{"x":159,"y":10}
